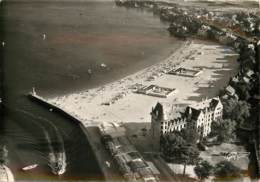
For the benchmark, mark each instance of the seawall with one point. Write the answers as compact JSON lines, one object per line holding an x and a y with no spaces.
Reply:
{"x":52,"y":108}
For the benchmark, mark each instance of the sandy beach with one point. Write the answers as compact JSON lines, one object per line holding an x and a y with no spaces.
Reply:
{"x":116,"y":101}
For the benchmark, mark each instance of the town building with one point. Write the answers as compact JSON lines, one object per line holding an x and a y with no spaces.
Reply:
{"x":198,"y":117}
{"x":128,"y":160}
{"x":230,"y":90}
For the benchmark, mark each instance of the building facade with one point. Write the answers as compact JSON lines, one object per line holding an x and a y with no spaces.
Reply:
{"x":197,"y":117}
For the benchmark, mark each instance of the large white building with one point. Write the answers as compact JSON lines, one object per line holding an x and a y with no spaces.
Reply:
{"x":197,"y":117}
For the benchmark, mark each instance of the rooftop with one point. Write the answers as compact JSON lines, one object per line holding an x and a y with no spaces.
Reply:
{"x":230,"y":90}
{"x":170,"y":111}
{"x":207,"y":103}
{"x":112,"y":129}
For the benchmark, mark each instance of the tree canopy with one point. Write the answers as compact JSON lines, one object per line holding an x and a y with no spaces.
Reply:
{"x":3,"y":154}
{"x":243,"y":89}
{"x":226,"y":169}
{"x":238,"y":111}
{"x":176,"y":149}
{"x":224,"y":129}
{"x":203,"y":169}
{"x":190,"y":136}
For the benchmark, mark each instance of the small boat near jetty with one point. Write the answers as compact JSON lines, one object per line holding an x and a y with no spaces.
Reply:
{"x":26,"y":168}
{"x":103,"y":65}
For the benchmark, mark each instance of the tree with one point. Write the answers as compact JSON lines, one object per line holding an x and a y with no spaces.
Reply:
{"x":241,"y":112}
{"x":171,"y":146}
{"x":243,"y":90}
{"x":228,"y":105}
{"x":203,"y":170}
{"x":238,"y":111}
{"x":189,"y":155}
{"x":247,"y":59}
{"x":3,"y":154}
{"x":190,"y":136}
{"x":177,"y":149}
{"x":224,"y":129}
{"x":226,"y":169}
{"x":144,"y":130}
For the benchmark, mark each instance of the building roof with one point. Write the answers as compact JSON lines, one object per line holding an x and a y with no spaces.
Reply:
{"x":249,"y":73}
{"x":134,"y":155}
{"x":235,"y":79}
{"x":230,"y":90}
{"x":167,"y":110}
{"x":207,"y":103}
{"x":247,"y":80}
{"x":194,"y":111}
{"x":112,"y":129}
{"x":136,"y":164}
{"x":170,"y":111}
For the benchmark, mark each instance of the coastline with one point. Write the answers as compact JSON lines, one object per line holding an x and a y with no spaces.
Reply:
{"x":122,"y":93}
{"x":124,"y":106}
{"x":124,"y":83}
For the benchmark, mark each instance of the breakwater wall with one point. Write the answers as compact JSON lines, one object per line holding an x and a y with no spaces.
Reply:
{"x":88,"y":132}
{"x":52,"y":107}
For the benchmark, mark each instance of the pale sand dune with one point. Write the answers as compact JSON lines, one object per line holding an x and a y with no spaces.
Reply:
{"x":87,"y":106}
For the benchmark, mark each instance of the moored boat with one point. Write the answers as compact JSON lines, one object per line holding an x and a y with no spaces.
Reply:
{"x":26,"y":168}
